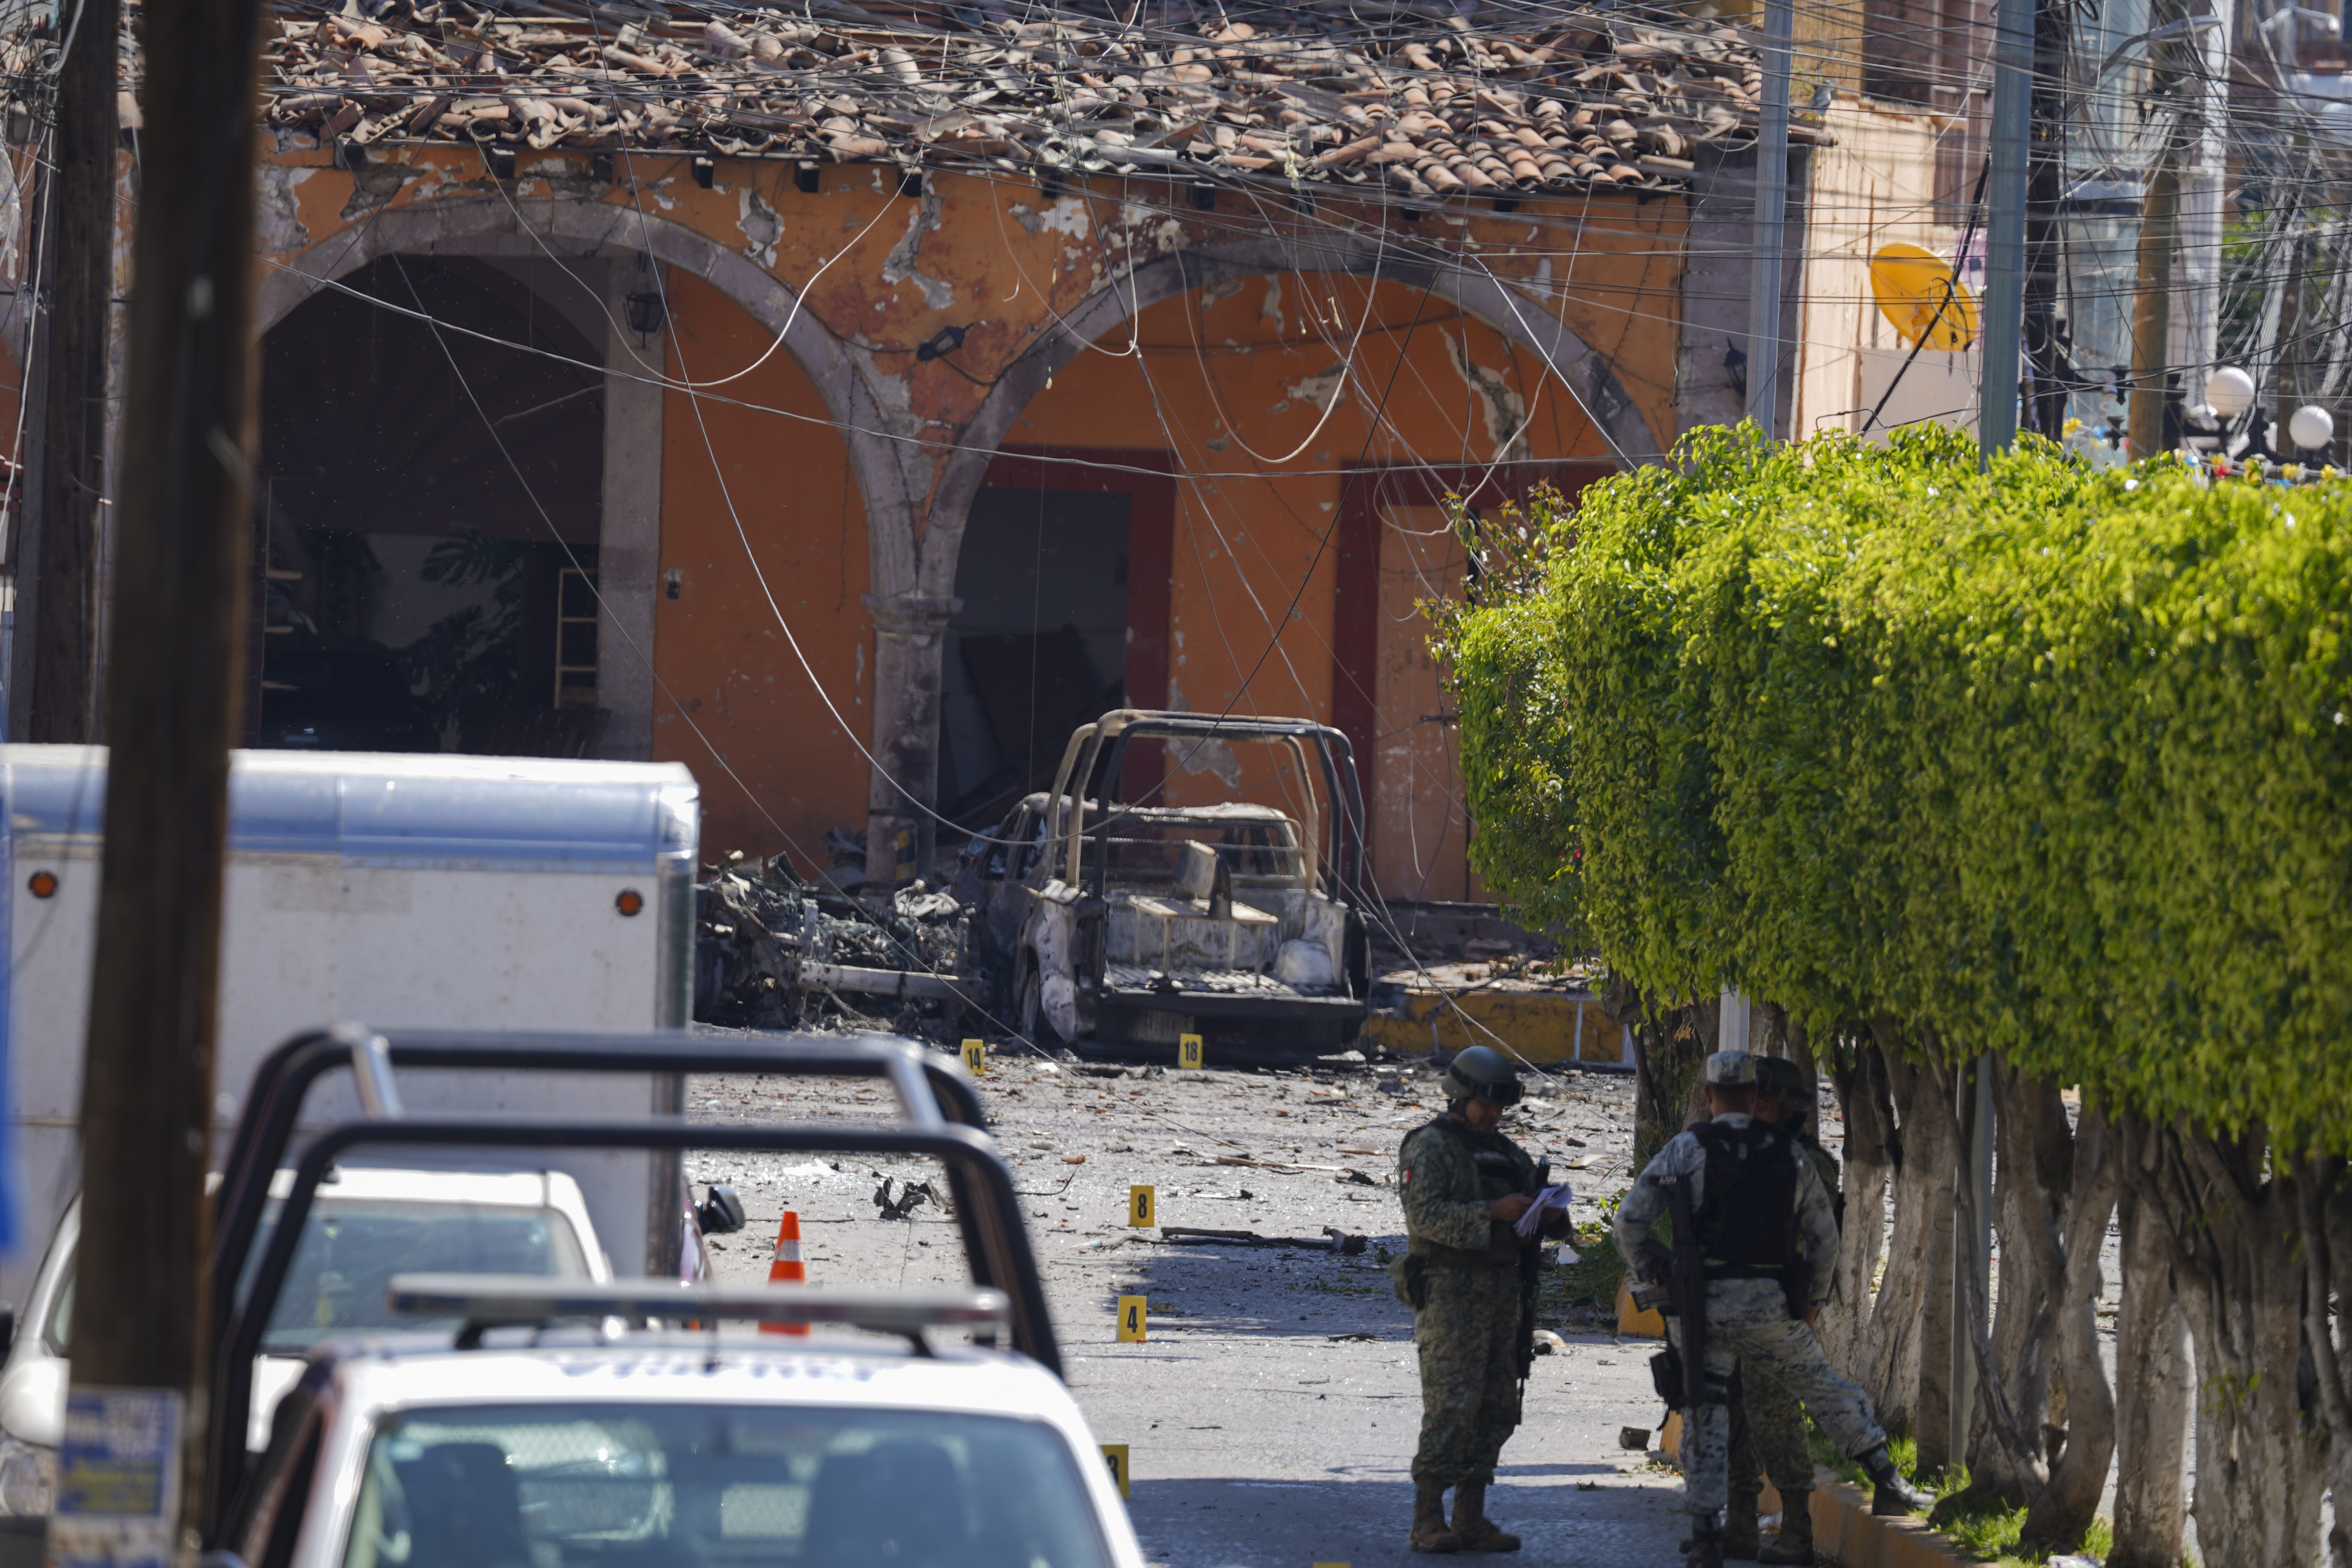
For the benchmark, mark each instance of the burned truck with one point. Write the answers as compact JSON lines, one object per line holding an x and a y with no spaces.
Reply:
{"x":1107,"y":923}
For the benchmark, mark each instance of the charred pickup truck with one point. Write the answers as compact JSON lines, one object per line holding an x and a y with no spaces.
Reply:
{"x":1110,"y":925}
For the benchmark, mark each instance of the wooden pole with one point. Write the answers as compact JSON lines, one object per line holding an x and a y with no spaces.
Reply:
{"x":72,"y":428}
{"x":2152,"y":306}
{"x":173,"y":685}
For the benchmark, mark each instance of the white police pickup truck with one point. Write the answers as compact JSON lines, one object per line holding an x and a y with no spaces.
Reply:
{"x":368,"y":1225}
{"x":548,"y":1434}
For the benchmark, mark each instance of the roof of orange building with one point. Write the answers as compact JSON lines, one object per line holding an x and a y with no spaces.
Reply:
{"x":1376,"y":96}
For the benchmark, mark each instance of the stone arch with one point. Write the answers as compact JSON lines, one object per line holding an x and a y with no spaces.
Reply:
{"x":890,"y":475}
{"x":1477,"y":294}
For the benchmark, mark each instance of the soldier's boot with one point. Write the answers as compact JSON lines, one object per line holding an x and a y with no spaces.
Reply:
{"x":1429,"y":1532}
{"x":1704,"y":1548}
{"x":1741,"y":1533}
{"x":1796,"y":1542}
{"x":1471,"y":1525}
{"x":1890,"y":1493}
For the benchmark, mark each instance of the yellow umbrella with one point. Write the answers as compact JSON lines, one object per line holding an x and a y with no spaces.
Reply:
{"x":1919,"y":293}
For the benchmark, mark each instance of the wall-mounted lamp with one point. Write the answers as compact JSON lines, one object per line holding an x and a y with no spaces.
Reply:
{"x":644,"y":314}
{"x":947,"y":341}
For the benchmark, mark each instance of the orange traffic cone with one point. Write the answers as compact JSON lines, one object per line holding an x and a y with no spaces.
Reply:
{"x":787,"y":1269}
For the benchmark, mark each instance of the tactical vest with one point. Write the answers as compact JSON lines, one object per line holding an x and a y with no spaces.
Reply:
{"x":1498,"y":1177}
{"x":1748,"y":1222}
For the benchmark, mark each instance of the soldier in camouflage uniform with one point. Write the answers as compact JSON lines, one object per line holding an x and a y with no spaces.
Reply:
{"x":1768,"y":1422}
{"x":1464,"y":1186}
{"x":1758,"y":1206}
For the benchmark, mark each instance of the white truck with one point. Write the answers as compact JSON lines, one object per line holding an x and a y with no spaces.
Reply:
{"x":414,"y":891}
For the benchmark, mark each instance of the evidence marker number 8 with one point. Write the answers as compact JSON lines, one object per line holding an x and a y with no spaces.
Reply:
{"x":1139,"y":1205}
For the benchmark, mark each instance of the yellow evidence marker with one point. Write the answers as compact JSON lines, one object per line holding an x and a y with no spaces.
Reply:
{"x":1114,"y":1455}
{"x":975,"y":1058}
{"x":1139,"y":1206}
{"x":1188,"y":1051}
{"x":1131,"y":1316}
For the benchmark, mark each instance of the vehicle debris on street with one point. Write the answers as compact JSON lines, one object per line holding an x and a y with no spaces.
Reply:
{"x":1333,"y":1240}
{"x":773,"y":951}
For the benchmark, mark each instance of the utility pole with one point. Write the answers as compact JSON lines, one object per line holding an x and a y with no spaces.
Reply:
{"x":72,"y":428}
{"x":2194,"y":344}
{"x":131,"y":1476}
{"x":2044,"y":183}
{"x":2159,"y":214}
{"x":2012,"y":98}
{"x":1771,"y":211}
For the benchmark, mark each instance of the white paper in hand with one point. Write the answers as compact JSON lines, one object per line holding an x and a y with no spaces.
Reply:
{"x":1552,"y":1197}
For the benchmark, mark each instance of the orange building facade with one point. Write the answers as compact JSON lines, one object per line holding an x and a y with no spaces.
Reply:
{"x":833,"y":420}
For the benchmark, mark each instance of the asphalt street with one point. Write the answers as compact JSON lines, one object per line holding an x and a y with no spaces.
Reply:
{"x":1272,"y":1410}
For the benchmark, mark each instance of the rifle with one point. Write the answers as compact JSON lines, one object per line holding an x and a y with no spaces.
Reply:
{"x":1679,"y":1371}
{"x":1530,"y":1264}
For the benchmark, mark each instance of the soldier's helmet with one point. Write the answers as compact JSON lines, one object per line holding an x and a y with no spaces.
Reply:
{"x":1730,"y":1069}
{"x":1484,"y":1073}
{"x":1783,"y":1081}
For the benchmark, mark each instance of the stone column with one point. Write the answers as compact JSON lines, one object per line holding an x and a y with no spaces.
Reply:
{"x":628,"y":539}
{"x":909,"y":633}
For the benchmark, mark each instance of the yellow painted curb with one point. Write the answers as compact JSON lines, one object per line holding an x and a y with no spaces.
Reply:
{"x":1544,"y":1026}
{"x":1845,"y":1528}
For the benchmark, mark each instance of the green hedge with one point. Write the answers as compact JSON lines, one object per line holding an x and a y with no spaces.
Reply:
{"x":2041,"y":761}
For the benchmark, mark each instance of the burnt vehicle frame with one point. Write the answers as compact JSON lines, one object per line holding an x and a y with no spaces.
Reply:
{"x":1065,"y":933}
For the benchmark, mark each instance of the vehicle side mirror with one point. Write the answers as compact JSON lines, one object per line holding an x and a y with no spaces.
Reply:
{"x":722,"y":1212}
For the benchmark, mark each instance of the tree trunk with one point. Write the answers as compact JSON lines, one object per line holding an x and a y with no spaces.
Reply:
{"x":2035,"y":1165}
{"x":2232,"y":1224}
{"x":1909,"y":1378}
{"x":2062,"y":1515}
{"x":1873,"y":1153}
{"x":2326,"y":1214}
{"x":1669,"y":1045}
{"x":2154,"y":1374}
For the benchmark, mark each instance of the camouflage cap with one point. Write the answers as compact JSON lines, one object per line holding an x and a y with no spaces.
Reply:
{"x":1730,"y":1069}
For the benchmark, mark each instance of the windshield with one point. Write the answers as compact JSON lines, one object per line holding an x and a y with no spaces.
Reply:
{"x":541,"y":1486}
{"x":351,"y":1247}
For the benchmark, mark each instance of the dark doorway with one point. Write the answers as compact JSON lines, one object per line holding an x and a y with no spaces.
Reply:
{"x":1040,"y":645}
{"x":431,"y":506}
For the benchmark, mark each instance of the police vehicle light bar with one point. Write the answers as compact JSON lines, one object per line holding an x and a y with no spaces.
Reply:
{"x":490,"y":1300}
